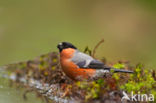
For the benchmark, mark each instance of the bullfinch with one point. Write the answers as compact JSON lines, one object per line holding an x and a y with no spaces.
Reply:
{"x":78,"y":65}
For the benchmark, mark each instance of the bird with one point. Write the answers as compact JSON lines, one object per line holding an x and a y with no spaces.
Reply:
{"x":80,"y":66}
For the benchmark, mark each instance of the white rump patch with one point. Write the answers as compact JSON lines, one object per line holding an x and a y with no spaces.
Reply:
{"x":101,"y":73}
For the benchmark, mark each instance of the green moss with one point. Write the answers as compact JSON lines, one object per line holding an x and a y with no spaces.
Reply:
{"x":119,"y":65}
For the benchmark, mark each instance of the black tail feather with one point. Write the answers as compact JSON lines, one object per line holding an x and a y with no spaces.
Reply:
{"x":121,"y":70}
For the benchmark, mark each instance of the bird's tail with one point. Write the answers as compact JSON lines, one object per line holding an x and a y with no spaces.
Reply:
{"x":121,"y":70}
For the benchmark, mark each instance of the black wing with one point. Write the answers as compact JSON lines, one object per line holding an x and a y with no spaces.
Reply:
{"x":95,"y":64}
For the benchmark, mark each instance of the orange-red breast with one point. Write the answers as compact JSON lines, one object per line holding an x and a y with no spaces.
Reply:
{"x":78,"y":65}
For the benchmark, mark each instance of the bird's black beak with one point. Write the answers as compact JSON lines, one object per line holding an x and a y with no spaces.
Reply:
{"x":60,"y":47}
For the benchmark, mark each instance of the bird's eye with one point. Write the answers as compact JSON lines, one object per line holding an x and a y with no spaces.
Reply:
{"x":64,"y":44}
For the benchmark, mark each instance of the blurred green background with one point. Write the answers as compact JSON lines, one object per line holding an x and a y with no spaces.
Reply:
{"x":29,"y":28}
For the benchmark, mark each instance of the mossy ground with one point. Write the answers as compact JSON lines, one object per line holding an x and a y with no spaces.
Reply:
{"x":46,"y":69}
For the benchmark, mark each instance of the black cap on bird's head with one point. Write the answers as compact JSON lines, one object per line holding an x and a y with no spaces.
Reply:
{"x":65,"y":45}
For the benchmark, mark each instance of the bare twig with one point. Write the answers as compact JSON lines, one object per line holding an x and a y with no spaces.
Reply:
{"x":97,"y":45}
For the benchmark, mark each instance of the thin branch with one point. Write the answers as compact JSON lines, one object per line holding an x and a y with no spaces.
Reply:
{"x":97,"y":45}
